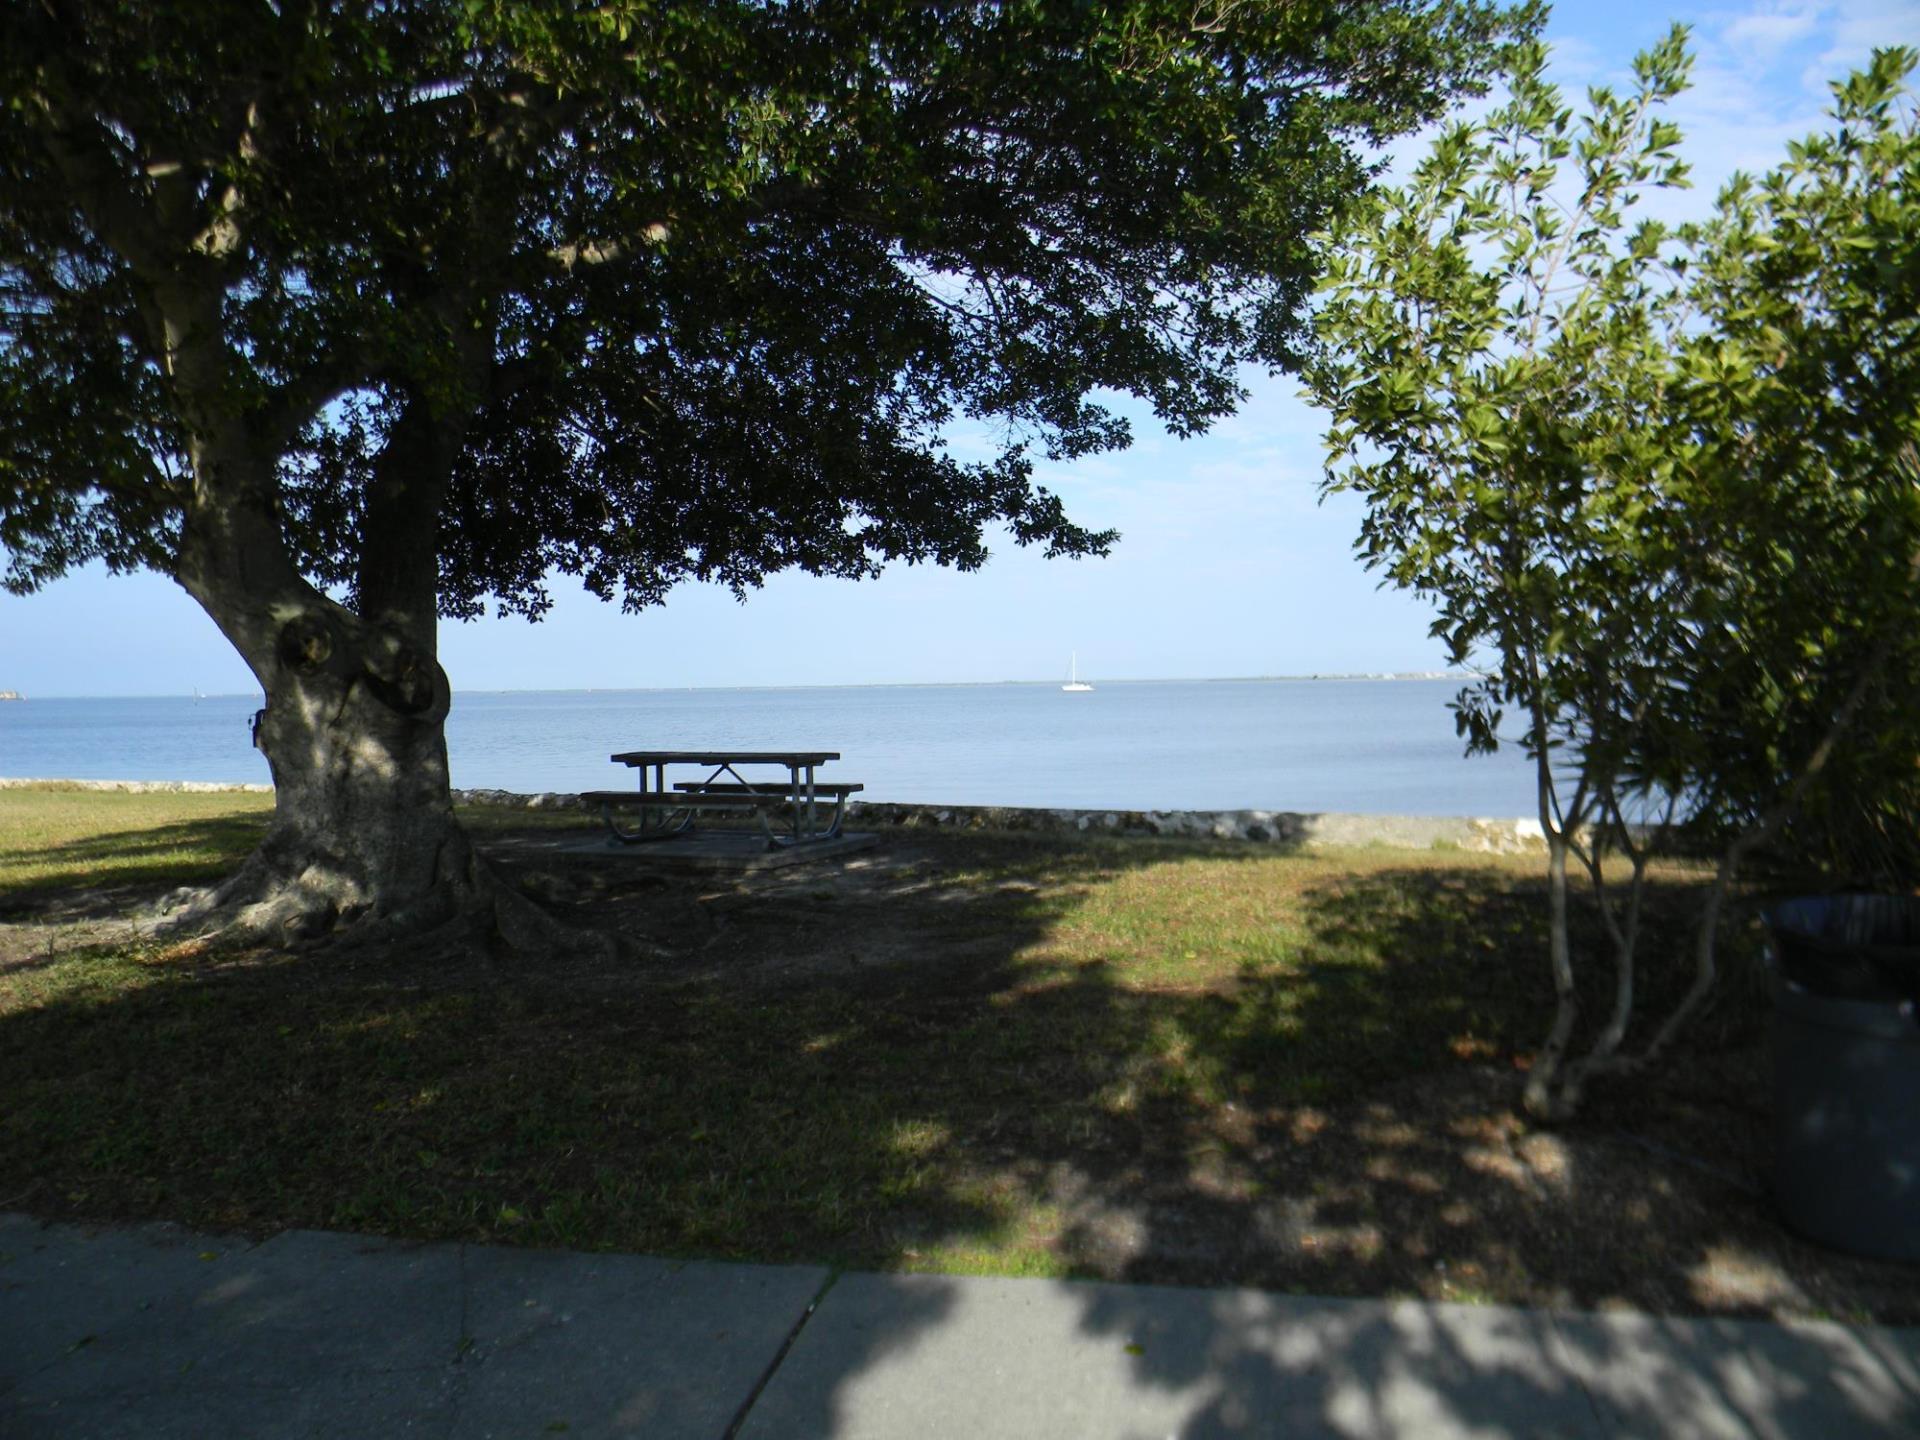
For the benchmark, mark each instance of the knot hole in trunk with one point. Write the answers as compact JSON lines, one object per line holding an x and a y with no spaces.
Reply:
{"x":409,"y":683}
{"x":306,"y":643}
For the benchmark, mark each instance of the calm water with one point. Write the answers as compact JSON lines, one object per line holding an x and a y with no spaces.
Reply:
{"x":1386,"y":747}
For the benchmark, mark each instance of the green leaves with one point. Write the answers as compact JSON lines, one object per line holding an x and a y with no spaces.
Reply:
{"x":1805,"y":395}
{"x":690,"y":289}
{"x":1494,"y":372}
{"x":1655,"y":480}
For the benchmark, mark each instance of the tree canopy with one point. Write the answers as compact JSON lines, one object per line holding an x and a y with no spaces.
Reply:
{"x":700,"y":288}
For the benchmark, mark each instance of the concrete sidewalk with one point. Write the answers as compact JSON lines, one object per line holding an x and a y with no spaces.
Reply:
{"x":158,"y":1332}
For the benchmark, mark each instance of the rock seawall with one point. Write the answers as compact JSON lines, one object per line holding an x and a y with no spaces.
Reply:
{"x":1309,"y":829}
{"x":140,"y":787}
{"x":1271,"y":827}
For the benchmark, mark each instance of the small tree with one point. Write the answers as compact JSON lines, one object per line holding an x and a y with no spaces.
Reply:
{"x":353,"y":316}
{"x":1497,"y":352}
{"x":1651,"y":479}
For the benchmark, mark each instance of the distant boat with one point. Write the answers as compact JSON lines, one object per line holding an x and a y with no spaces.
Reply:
{"x":1074,"y":682}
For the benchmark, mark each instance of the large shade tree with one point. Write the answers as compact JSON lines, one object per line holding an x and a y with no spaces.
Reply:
{"x":350,"y":316}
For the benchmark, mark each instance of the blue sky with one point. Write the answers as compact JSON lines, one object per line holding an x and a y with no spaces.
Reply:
{"x":1228,"y":564}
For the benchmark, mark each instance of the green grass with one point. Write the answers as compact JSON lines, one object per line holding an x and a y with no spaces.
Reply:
{"x":56,"y":837}
{"x":936,"y":1072}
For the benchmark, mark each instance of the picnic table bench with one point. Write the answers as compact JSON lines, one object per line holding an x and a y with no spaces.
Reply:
{"x":668,"y":810}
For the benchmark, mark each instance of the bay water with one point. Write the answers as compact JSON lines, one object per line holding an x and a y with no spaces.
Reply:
{"x":1359,"y":746}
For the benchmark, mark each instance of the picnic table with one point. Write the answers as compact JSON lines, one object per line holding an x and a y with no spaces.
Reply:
{"x":666,"y":810}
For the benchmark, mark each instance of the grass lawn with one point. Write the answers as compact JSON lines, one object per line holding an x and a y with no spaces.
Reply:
{"x":57,"y":837}
{"x":1204,"y":1063}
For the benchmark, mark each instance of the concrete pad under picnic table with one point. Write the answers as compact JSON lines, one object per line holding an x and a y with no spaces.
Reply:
{"x":713,"y":850}
{"x":150,"y":1333}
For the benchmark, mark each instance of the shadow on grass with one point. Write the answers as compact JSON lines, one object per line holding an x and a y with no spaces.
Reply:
{"x":947,"y":1066}
{"x":89,"y":878}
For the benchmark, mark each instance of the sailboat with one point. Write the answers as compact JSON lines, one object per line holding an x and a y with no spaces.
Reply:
{"x":1074,"y":682}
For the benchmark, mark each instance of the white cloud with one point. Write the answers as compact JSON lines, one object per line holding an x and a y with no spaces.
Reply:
{"x":1759,"y":81}
{"x":1859,"y":25}
{"x":1859,"y":28}
{"x":1766,"y":32}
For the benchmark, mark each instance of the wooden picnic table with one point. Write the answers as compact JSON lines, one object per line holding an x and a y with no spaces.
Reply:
{"x":668,"y":811}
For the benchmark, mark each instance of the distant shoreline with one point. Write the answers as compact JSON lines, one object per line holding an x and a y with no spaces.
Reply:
{"x":1047,"y":683}
{"x":1349,"y":676}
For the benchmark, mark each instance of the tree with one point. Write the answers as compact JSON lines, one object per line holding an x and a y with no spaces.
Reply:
{"x":1495,"y":363}
{"x":350,"y":315}
{"x":1798,"y":406}
{"x":1650,"y":478}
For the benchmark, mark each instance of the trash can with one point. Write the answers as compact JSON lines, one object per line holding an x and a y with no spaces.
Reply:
{"x":1846,"y":1071}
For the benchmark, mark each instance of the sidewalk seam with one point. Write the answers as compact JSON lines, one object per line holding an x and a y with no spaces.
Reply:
{"x":1561,"y":1354}
{"x":457,"y":1380}
{"x":779,"y":1358}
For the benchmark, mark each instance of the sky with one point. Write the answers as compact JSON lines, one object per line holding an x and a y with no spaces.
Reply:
{"x":1228,"y":563}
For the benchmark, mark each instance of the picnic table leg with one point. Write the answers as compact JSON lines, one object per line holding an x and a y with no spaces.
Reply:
{"x":640,"y":829}
{"x":644,"y":829}
{"x":813,"y":823}
{"x":832,"y":832}
{"x":774,"y":841}
{"x":666,"y":825}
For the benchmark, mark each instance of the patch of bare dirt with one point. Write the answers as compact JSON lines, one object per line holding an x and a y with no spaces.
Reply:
{"x":1438,"y":1188}
{"x":871,"y":911}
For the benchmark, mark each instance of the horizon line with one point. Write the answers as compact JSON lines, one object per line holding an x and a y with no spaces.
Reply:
{"x":1370,"y":675}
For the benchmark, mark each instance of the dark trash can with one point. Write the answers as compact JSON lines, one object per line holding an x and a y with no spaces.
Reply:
{"x":1846,"y":1071}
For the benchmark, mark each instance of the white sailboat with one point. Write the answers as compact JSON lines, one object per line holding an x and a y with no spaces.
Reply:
{"x":1074,"y":682}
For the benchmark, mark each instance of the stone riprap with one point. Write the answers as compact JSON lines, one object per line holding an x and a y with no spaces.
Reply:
{"x":512,"y":800}
{"x":1275,"y":827}
{"x":142,"y":787}
{"x":1269,"y":827}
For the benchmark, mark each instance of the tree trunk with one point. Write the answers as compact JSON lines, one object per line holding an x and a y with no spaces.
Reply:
{"x":1538,"y":1095}
{"x":363,"y":821}
{"x":363,"y":832}
{"x":1541,"y":1095}
{"x":1624,"y":935}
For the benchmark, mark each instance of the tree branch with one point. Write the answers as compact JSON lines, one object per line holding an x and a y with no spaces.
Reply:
{"x":99,"y":183}
{"x":299,"y":400}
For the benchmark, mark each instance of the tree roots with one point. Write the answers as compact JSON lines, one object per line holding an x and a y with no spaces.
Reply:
{"x":475,"y":911}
